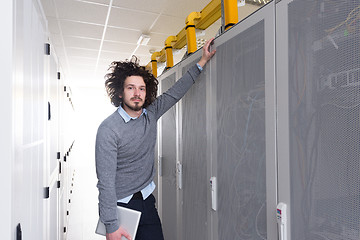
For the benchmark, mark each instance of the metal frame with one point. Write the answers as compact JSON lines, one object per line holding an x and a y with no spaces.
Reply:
{"x":164,"y":75}
{"x":211,"y":121}
{"x":282,"y":96}
{"x":270,"y":115}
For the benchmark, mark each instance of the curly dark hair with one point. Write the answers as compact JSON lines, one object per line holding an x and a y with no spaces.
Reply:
{"x":119,"y":71}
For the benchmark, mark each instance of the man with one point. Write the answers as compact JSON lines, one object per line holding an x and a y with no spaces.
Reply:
{"x":125,"y":144}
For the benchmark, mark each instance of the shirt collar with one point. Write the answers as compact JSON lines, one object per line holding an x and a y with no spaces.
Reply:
{"x":126,"y":116}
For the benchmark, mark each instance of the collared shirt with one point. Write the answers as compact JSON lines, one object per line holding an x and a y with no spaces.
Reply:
{"x":126,"y":116}
{"x":149,"y":188}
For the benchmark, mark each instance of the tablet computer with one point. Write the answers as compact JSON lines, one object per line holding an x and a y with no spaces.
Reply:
{"x":129,"y":220}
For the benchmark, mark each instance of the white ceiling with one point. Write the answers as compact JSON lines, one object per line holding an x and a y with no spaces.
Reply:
{"x":87,"y":35}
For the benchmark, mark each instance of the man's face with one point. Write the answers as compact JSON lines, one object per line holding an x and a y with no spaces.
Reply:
{"x":134,"y":93}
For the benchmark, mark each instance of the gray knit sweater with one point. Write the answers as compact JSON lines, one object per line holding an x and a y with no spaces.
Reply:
{"x":124,"y":152}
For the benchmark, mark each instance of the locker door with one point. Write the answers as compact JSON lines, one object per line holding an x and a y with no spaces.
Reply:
{"x":318,"y":71}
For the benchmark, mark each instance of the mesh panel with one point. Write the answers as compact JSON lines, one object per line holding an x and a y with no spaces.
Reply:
{"x":195,"y":181}
{"x":168,"y":135}
{"x":241,"y":135}
{"x":324,"y":119}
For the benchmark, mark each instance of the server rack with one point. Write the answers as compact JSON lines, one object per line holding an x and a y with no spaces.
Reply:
{"x":274,"y":118}
{"x":318,"y":112}
{"x":226,"y":133}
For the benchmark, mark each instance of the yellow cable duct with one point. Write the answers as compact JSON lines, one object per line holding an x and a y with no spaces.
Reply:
{"x":190,"y":31}
{"x":169,"y":52}
{"x":154,"y":57}
{"x":231,"y":13}
{"x":208,"y":15}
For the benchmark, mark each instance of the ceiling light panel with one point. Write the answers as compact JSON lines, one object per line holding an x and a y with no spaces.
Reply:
{"x":143,"y":40}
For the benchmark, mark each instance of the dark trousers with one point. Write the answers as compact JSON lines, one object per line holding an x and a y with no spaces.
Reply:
{"x":149,"y":225}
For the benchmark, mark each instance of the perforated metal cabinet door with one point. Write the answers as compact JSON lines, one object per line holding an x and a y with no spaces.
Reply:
{"x":168,"y":164}
{"x":319,"y":68}
{"x":194,"y":157}
{"x":245,"y":129}
{"x":241,"y":136}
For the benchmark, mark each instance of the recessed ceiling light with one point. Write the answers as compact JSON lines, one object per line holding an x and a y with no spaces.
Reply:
{"x":143,"y":40}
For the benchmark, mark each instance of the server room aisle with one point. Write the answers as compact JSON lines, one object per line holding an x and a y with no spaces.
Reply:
{"x":91,"y":107}
{"x":83,"y":214}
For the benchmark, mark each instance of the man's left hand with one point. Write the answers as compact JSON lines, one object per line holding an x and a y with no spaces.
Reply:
{"x":206,"y":54}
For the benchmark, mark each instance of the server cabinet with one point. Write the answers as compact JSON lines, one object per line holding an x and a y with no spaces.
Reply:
{"x":319,"y":133}
{"x":226,"y":132}
{"x":193,"y":164}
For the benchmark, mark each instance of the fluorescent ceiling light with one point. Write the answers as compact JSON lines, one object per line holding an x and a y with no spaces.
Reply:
{"x":143,"y":39}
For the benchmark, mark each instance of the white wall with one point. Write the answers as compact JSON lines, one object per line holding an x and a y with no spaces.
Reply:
{"x":6,"y":117}
{"x":25,"y":142}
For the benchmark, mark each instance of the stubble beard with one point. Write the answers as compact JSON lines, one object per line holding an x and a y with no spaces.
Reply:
{"x":135,"y":108}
